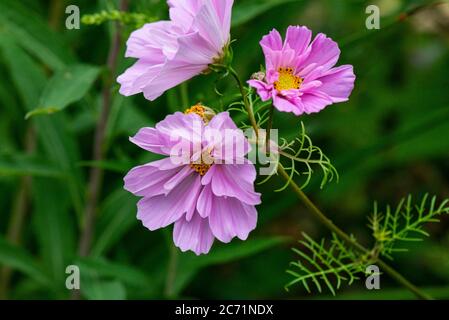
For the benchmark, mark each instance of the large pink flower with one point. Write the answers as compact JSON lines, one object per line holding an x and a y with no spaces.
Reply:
{"x":171,"y":52}
{"x":300,"y":75}
{"x":204,"y":199}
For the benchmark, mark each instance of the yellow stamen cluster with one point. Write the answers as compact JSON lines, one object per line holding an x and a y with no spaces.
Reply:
{"x":201,"y":168}
{"x":204,"y":112}
{"x":197,"y":109}
{"x":287,"y":80}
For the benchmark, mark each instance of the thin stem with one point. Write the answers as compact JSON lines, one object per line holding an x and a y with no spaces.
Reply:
{"x":248,"y":106}
{"x":269,"y":127}
{"x":324,"y":219}
{"x":18,"y":215}
{"x":287,"y":155}
{"x":96,"y":174}
{"x":56,"y":12}
{"x":330,"y":225}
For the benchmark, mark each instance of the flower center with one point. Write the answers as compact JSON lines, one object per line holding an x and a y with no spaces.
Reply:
{"x":287,"y":80}
{"x":204,"y":112}
{"x":201,"y":168}
{"x":203,"y":165}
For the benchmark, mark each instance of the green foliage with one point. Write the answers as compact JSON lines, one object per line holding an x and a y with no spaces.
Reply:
{"x":33,"y":33}
{"x":331,"y":265}
{"x":25,"y":165}
{"x":134,"y":20}
{"x":104,"y":290}
{"x":388,"y":138}
{"x":189,"y":264}
{"x":246,"y":11}
{"x":303,"y":156}
{"x":66,"y":87}
{"x":15,"y":257}
{"x":404,"y":223}
{"x":302,"y":151}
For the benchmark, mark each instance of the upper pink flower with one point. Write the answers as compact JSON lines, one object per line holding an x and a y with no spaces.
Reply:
{"x":300,"y":74}
{"x":171,"y":52}
{"x":204,"y":199}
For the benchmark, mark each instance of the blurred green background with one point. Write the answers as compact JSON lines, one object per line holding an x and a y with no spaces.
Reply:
{"x":391,"y":139}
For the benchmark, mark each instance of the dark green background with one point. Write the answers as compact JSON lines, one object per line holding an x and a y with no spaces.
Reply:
{"x":390,"y":140}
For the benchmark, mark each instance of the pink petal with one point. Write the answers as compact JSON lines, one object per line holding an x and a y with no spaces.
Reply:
{"x":231,"y":218}
{"x":142,"y":71}
{"x":228,"y":143}
{"x":210,"y":25}
{"x":324,"y":52}
{"x":194,"y":235}
{"x":288,"y":104}
{"x":153,"y":42}
{"x":222,"y":121}
{"x":149,"y":139}
{"x":298,"y":38}
{"x":264,"y":90}
{"x":224,"y":11}
{"x":205,"y":201}
{"x":338,"y":83}
{"x":182,"y":12}
{"x":315,"y":101}
{"x":161,"y":211}
{"x":272,"y":41}
{"x":193,"y":57}
{"x":148,"y":180}
{"x":235,"y":181}
{"x":181,"y":136}
{"x":171,"y":183}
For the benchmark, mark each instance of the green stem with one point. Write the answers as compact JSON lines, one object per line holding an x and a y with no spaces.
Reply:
{"x":330,"y":225}
{"x":18,"y":216}
{"x":323,"y":218}
{"x":269,"y":127}
{"x":248,"y":106}
{"x":287,"y":155}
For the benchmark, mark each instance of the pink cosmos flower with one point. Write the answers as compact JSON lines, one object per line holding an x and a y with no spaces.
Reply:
{"x":206,"y":197}
{"x":171,"y":52}
{"x":300,"y":75}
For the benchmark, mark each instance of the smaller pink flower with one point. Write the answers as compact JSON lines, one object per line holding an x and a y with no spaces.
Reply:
{"x":209,"y":194}
{"x":300,"y":74}
{"x":174,"y":51}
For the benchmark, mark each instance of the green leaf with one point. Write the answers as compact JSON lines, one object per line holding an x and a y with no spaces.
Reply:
{"x":126,"y":119}
{"x":60,"y":145}
{"x":54,"y":228}
{"x":189,"y":264}
{"x":103,"y":290}
{"x":106,"y":269}
{"x":23,"y":165}
{"x":17,"y":258}
{"x":66,"y":87}
{"x":249,"y":10}
{"x":113,"y":166}
{"x":118,"y":215}
{"x":32,"y":32}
